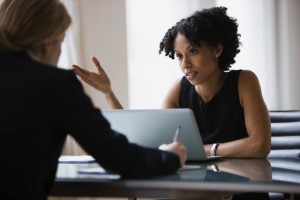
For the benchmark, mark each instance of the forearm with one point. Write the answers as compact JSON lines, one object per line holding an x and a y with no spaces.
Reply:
{"x":242,"y":148}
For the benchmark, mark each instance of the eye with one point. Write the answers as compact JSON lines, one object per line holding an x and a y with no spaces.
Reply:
{"x":193,"y":51}
{"x":178,"y":56}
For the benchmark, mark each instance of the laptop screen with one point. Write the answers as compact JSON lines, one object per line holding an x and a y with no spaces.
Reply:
{"x":153,"y":127}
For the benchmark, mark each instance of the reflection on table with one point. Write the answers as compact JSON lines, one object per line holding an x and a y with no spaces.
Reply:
{"x":218,"y":178}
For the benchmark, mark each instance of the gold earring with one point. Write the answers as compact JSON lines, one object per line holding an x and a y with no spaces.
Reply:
{"x":217,"y":55}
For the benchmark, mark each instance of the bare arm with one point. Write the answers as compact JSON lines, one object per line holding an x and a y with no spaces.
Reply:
{"x":172,"y":97}
{"x":100,"y":81}
{"x":258,"y":142}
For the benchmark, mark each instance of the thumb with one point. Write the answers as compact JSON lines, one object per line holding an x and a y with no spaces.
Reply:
{"x":98,"y":65}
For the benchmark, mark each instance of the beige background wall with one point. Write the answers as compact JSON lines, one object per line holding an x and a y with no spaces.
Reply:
{"x":100,"y":30}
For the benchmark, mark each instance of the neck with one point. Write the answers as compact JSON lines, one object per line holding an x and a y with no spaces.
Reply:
{"x":34,"y":55}
{"x":207,"y":90}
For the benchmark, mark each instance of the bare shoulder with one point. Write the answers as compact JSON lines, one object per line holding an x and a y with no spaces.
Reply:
{"x":248,"y":80}
{"x":247,"y":77}
{"x":175,"y":87}
{"x":177,"y":84}
{"x":249,"y":87}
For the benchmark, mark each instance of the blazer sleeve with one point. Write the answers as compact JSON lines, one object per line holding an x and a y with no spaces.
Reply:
{"x":75,"y":114}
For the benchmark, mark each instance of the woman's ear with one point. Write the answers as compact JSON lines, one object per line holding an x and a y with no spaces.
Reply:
{"x":45,"y":48}
{"x":39,"y":51}
{"x":219,"y":50}
{"x":46,"y":52}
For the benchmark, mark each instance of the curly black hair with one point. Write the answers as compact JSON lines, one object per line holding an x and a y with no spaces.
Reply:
{"x":212,"y":26}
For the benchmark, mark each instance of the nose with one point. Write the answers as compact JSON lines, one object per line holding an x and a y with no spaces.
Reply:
{"x":186,"y":62}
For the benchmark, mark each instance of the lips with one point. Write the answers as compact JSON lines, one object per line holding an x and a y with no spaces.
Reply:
{"x":190,"y":75}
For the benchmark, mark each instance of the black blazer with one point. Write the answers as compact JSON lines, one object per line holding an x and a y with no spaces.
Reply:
{"x":39,"y":106}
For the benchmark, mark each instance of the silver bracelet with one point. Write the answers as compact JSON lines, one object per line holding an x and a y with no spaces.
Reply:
{"x":213,"y":149}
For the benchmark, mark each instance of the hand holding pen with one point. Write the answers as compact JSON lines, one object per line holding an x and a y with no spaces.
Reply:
{"x":176,"y":147}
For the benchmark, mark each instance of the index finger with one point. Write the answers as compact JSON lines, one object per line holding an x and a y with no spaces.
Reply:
{"x":83,"y":71}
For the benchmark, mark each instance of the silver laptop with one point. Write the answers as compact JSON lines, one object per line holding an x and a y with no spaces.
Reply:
{"x":153,"y":127}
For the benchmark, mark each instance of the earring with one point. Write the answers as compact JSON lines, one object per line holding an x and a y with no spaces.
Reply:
{"x":217,"y":55}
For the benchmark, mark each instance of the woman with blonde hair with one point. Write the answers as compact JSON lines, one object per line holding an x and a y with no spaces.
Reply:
{"x":40,"y":104}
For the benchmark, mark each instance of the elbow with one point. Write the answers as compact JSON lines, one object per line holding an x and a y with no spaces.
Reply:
{"x":263,"y":153}
{"x":262,"y":149}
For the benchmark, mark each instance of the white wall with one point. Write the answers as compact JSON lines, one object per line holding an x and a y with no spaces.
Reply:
{"x":100,"y":29}
{"x":289,"y":64}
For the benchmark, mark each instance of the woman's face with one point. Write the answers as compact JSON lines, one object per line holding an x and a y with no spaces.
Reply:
{"x":198,"y":64}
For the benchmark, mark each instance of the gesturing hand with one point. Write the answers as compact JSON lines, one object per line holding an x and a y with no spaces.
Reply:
{"x":100,"y":81}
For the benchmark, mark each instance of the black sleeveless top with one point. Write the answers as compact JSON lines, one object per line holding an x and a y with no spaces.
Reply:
{"x":222,"y":118}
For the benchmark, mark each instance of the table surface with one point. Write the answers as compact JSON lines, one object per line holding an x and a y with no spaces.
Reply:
{"x":222,"y":177}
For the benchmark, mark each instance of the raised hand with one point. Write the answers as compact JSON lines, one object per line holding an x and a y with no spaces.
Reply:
{"x":100,"y":81}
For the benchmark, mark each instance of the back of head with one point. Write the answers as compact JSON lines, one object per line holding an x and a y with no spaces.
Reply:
{"x":25,"y":24}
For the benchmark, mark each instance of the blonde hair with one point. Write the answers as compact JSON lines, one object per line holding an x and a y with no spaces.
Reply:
{"x":28,"y":23}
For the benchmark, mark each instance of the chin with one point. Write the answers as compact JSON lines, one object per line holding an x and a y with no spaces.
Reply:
{"x":194,"y":82}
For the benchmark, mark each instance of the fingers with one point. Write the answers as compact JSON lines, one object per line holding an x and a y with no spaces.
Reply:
{"x":182,"y":152}
{"x":163,"y":147}
{"x":183,"y":160}
{"x":182,"y":147}
{"x":98,"y":65}
{"x":177,"y":148}
{"x":80,"y":71}
{"x":91,"y":83}
{"x":87,"y":80}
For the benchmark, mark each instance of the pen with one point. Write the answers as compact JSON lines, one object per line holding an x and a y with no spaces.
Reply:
{"x":176,"y":133}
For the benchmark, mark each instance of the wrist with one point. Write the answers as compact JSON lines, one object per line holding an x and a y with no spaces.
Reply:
{"x":109,"y":93}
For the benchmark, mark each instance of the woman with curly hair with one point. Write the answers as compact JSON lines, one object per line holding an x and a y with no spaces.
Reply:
{"x":228,"y":104}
